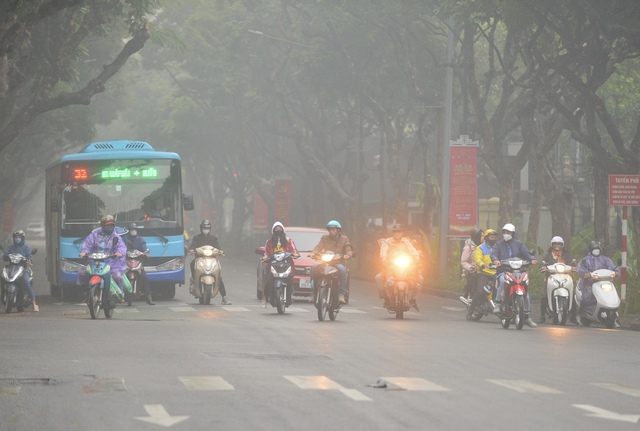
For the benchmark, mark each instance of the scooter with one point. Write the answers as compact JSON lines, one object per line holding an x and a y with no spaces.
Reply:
{"x":607,"y":300}
{"x":206,"y":273}
{"x":327,"y":284}
{"x":516,"y":282}
{"x":559,"y":290}
{"x":483,"y":296}
{"x":278,"y":287}
{"x":401,"y":285}
{"x":134,"y":269}
{"x":14,"y":292}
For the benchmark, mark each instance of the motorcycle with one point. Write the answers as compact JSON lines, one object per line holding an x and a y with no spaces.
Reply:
{"x":278,"y":287}
{"x":559,"y":290}
{"x":206,"y":274}
{"x":134,"y":269}
{"x":484,"y":298}
{"x":100,"y":296}
{"x":400,"y":285}
{"x":14,"y":292}
{"x":516,"y":282}
{"x":607,"y":300}
{"x":326,"y":291}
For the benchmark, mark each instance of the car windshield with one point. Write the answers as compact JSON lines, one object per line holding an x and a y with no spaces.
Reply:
{"x":305,"y":241}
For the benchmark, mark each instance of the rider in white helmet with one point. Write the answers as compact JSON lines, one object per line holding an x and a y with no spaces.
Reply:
{"x":555,"y":254}
{"x":504,"y":249}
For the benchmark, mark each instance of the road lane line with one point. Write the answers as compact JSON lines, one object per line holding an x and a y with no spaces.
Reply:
{"x":180,"y":309}
{"x":415,"y":384}
{"x":524,"y":386}
{"x":206,"y":383}
{"x":623,"y":389}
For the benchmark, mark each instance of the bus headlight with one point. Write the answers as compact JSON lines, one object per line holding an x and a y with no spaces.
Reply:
{"x":172,"y":265}
{"x":70,"y":266}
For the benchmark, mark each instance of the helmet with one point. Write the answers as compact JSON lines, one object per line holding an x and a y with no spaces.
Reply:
{"x":334,"y":223}
{"x":18,"y":237}
{"x":107,"y":219}
{"x":476,"y":235}
{"x":594,"y":245}
{"x":131,"y":226}
{"x":557,"y":243}
{"x":489,"y":232}
{"x":275,"y":225}
{"x":509,"y":227}
{"x":398,"y":228}
{"x":206,"y":224}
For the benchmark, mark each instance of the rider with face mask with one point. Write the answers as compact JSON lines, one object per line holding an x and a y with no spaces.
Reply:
{"x":205,"y":238}
{"x":482,"y":260}
{"x":593,"y":261}
{"x":555,"y":254}
{"x":279,"y":241}
{"x":19,"y":246}
{"x":102,"y":239}
{"x":135,"y":242}
{"x":337,"y":243}
{"x":397,"y":244}
{"x":504,"y":249}
{"x":467,"y":262}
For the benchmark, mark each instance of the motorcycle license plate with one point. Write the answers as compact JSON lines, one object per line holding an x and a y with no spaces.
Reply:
{"x":305,"y":283}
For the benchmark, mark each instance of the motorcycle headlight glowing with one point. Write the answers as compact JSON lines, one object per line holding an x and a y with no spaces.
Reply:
{"x":606,"y":287}
{"x":327,"y":257}
{"x":515,"y":264}
{"x":208,"y":252}
{"x":172,"y":265}
{"x":402,"y":261}
{"x":560,"y":268}
{"x":70,"y":266}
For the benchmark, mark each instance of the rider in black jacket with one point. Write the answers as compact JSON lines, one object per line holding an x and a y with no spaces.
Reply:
{"x":205,"y":238}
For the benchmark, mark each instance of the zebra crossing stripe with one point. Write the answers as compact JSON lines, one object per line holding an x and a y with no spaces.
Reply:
{"x":206,"y":383}
{"x":524,"y":386}
{"x":324,"y":383}
{"x":235,"y":308}
{"x":182,"y":309}
{"x":623,"y":389}
{"x":415,"y":384}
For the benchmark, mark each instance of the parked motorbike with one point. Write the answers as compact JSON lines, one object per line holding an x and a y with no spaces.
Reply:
{"x":278,"y":286}
{"x":484,"y":298}
{"x":14,"y":292}
{"x":400,"y":285}
{"x":559,"y":290}
{"x":134,"y":270}
{"x":99,"y":295}
{"x":327,"y":285}
{"x":607,"y":300}
{"x":516,"y":282}
{"x":206,"y":273}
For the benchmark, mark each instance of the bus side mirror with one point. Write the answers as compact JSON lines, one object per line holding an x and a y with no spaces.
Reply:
{"x":187,"y":201}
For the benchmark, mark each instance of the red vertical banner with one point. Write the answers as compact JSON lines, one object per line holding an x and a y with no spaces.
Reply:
{"x":260,"y":213}
{"x":282,"y":199}
{"x":463,"y":203}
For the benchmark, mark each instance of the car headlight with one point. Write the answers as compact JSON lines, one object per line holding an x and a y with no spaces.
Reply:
{"x":172,"y":265}
{"x":70,"y":266}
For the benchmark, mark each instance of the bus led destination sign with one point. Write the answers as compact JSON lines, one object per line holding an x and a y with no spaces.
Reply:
{"x":624,"y":190}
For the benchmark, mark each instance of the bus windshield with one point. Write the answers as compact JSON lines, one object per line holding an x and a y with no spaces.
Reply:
{"x":146,"y":192}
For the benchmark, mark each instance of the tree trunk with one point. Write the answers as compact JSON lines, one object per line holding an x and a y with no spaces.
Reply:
{"x":601,"y":206}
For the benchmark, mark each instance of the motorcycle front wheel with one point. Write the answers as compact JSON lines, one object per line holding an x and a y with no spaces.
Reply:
{"x":20,"y":301}
{"x":280,"y":301}
{"x":11,"y":298}
{"x":206,"y":295}
{"x":132,"y":293}
{"x":400,"y":301}
{"x":561,"y":310}
{"x":519,"y":312}
{"x":332,"y":303}
{"x":93,"y":300}
{"x":610,"y":320}
{"x":321,"y":302}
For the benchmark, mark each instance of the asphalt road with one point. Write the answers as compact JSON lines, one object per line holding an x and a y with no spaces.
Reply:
{"x":184,"y":366}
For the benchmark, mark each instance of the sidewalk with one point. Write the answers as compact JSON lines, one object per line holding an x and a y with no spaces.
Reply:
{"x":629,"y":321}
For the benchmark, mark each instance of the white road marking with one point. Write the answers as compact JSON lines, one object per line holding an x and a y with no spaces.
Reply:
{"x":524,"y":386}
{"x":455,"y":308}
{"x":351,"y":311}
{"x":159,"y":416}
{"x":623,"y":389}
{"x":234,"y":308}
{"x":324,"y":383}
{"x":106,"y":384}
{"x":297,"y":309}
{"x":126,"y":310}
{"x":415,"y":384}
{"x":597,"y":412}
{"x":206,"y":383}
{"x":182,"y":309}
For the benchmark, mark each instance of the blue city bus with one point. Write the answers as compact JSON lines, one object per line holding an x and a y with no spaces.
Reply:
{"x":134,"y":183}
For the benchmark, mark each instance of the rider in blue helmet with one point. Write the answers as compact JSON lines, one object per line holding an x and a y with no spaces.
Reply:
{"x":337,"y":243}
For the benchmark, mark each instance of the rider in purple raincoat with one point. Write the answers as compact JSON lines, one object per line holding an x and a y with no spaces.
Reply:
{"x":101,"y":239}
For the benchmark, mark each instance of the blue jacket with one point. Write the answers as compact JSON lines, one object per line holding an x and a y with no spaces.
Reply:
{"x":512,"y":248}
{"x":19,"y":249}
{"x":136,"y":243}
